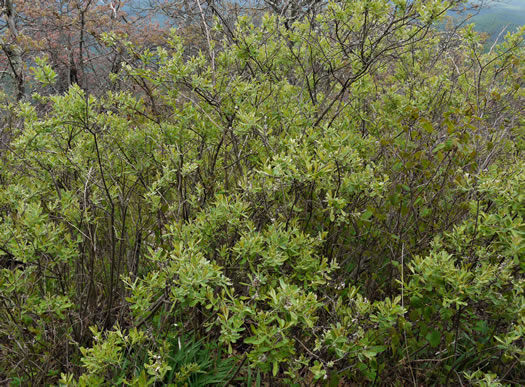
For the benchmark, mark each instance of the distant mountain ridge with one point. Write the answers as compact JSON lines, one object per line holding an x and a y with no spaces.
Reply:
{"x":497,"y":16}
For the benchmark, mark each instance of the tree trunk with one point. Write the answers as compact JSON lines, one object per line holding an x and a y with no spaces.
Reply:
{"x":11,"y":49}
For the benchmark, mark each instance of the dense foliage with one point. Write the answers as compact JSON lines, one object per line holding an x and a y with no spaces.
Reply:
{"x":332,"y":198}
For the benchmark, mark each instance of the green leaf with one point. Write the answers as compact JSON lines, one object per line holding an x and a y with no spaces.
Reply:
{"x":377,"y":348}
{"x":428,"y":127}
{"x":373,"y":351}
{"x":275,"y":369}
{"x":366,"y":215}
{"x":434,"y":338}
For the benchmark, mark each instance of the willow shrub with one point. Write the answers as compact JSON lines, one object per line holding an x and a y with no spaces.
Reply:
{"x":335,"y":200}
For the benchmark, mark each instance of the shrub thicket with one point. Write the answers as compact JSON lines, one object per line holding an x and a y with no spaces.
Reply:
{"x":338,"y":199}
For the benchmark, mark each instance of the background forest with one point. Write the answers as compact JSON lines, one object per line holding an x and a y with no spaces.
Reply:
{"x":301,"y":192}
